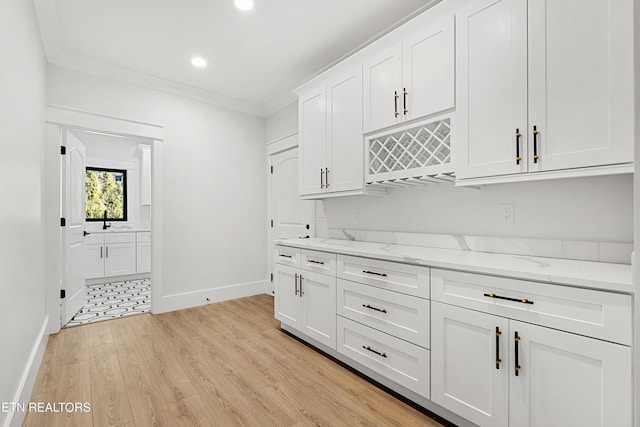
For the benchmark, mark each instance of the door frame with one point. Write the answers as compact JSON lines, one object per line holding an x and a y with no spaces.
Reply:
{"x":57,"y":120}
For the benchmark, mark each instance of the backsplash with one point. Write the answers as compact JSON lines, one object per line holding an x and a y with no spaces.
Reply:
{"x":619,"y":253}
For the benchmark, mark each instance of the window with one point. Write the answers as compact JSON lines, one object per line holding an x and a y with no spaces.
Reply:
{"x":106,"y":190}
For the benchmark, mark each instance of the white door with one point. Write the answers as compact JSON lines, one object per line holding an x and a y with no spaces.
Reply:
{"x":292,"y":217}
{"x":466,"y":376}
{"x":581,"y":82}
{"x":312,"y":119}
{"x":568,"y":380}
{"x":73,"y":196}
{"x":319,"y":307}
{"x":382,"y":89}
{"x":491,"y":83}
{"x":428,"y":70}
{"x":287,"y":295}
{"x":120,"y":259}
{"x":345,"y":147}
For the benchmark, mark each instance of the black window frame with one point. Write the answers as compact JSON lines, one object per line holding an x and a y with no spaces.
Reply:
{"x":124,"y":193}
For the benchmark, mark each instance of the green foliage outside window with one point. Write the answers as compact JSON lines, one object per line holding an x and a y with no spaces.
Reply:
{"x":105,"y":190}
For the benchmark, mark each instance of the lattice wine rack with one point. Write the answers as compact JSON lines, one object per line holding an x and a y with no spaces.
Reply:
{"x":417,"y":155}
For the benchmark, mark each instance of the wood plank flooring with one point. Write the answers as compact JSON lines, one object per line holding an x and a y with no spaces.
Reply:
{"x":223,"y":364}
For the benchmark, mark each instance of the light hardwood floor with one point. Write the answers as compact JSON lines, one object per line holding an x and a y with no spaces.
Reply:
{"x":224,"y":364}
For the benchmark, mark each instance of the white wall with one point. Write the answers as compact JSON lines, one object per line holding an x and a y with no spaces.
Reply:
{"x":598,"y":208}
{"x":22,"y":96}
{"x":108,"y":151}
{"x":214,"y":167}
{"x":282,"y":123}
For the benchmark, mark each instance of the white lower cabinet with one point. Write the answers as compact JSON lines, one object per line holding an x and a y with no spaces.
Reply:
{"x":306,"y":301}
{"x":496,"y":371}
{"x":117,"y":254}
{"x":120,"y":259}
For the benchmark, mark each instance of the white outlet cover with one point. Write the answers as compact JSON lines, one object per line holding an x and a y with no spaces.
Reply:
{"x":507,"y":213}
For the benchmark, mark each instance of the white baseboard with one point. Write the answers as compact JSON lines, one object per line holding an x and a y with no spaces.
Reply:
{"x":194,"y":299}
{"x":29,"y":375}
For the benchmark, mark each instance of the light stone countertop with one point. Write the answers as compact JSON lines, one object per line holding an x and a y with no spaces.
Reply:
{"x":587,"y":274}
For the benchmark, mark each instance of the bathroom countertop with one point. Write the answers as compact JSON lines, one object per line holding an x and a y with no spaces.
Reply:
{"x":587,"y":274}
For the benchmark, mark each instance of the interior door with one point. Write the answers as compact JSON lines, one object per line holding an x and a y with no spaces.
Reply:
{"x":292,"y":217}
{"x":73,"y":204}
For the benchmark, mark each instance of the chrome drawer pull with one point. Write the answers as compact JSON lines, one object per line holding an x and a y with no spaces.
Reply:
{"x":375,"y":273}
{"x":381,"y":310}
{"x":368,"y":347}
{"x":315,"y":262}
{"x":522,"y":300}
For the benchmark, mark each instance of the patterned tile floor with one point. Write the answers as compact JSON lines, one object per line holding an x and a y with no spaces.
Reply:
{"x":112,"y":300}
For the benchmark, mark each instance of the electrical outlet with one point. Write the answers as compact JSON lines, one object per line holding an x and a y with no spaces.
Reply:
{"x":356,"y":214}
{"x":507,"y":213}
{"x":319,"y":211}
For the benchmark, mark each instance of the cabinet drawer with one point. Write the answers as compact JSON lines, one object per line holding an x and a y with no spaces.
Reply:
{"x":403,"y":316}
{"x":143,"y":237}
{"x":320,"y":262}
{"x":408,"y":279}
{"x":287,"y":256}
{"x":94,"y":239}
{"x":598,"y":314}
{"x":119,"y":238}
{"x":402,"y":362}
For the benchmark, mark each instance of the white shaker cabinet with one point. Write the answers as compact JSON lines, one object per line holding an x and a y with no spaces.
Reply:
{"x":411,"y":79}
{"x":330,"y":135}
{"x":143,"y":252}
{"x":543,"y":86}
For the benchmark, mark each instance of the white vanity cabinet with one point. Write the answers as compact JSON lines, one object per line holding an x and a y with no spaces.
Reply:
{"x":551,"y":90}
{"x":305,"y":299}
{"x":515,"y":353}
{"x":411,"y":79}
{"x":117,"y":254}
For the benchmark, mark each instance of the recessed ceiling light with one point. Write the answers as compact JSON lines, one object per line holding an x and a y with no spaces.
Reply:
{"x":244,"y":4}
{"x":198,"y":62}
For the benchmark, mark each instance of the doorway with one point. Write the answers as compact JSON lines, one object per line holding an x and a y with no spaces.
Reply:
{"x":291,"y":217}
{"x":63,"y":125}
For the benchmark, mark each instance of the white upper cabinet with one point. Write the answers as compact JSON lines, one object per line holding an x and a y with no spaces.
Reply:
{"x":312,"y":107}
{"x":411,"y":79}
{"x":543,"y":86}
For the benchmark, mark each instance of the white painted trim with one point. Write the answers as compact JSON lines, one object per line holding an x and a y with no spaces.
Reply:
{"x":283,"y":144}
{"x":224,"y":293}
{"x":29,"y":375}
{"x":57,"y":119}
{"x":636,"y":217}
{"x":540,"y":176}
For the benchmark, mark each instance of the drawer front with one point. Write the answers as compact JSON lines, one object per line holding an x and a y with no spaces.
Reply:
{"x":598,"y":314}
{"x":94,"y":239}
{"x":403,"y":316}
{"x":119,"y":238}
{"x":143,"y":237}
{"x":287,"y":256}
{"x":408,"y":279}
{"x":402,"y":362}
{"x":319,"y":262}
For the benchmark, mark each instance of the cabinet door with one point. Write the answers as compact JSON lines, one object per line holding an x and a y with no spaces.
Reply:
{"x":491,"y":53}
{"x":120,"y":259}
{"x":313,"y":141}
{"x":568,"y":380}
{"x":287,"y":295}
{"x":93,"y":261}
{"x":428,"y":70}
{"x":465,"y":377}
{"x":143,"y":257}
{"x":319,"y":307}
{"x":345,"y":141}
{"x":382,"y":82}
{"x":581,"y":82}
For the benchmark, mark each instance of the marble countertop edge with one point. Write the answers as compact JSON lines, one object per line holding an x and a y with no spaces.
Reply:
{"x":584,"y":274}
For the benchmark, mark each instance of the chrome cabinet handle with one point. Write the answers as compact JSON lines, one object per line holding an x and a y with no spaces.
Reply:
{"x":107,"y":250}
{"x":326,"y":177}
{"x":301,"y":293}
{"x":321,"y":178}
{"x":100,"y":252}
{"x":296,"y":285}
{"x":395,"y":103}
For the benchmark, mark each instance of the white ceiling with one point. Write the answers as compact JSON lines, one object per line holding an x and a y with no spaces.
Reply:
{"x":255,"y":58}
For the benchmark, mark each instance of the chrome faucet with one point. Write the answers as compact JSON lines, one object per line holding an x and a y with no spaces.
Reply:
{"x":104,"y":221}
